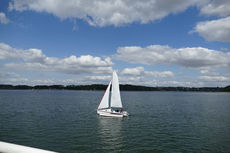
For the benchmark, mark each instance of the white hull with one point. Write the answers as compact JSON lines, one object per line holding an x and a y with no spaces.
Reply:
{"x":109,"y":113}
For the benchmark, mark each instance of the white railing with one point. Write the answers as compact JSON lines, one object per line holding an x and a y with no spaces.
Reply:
{"x":14,"y":148}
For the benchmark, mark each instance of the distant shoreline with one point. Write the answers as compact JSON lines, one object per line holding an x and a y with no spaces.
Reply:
{"x":123,"y":87}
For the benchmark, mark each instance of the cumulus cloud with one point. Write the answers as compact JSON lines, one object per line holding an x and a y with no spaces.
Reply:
{"x":135,"y":80}
{"x":6,"y":52}
{"x":216,"y":7}
{"x":196,"y":57}
{"x":133,"y":71}
{"x":34,"y":59}
{"x":104,"y":13}
{"x":3,"y":18}
{"x":215,"y":30}
{"x":141,"y":71}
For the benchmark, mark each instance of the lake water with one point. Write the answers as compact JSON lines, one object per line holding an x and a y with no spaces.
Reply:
{"x":66,"y":121}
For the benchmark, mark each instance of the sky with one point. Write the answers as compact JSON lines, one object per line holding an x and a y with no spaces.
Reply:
{"x":148,"y":42}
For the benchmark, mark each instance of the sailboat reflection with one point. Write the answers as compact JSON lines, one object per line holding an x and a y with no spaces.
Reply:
{"x":110,"y":133}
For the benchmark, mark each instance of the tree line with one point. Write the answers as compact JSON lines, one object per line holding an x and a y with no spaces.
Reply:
{"x":123,"y":87}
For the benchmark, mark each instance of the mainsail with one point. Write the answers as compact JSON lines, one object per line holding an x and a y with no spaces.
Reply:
{"x":115,"y":97}
{"x":105,"y":99}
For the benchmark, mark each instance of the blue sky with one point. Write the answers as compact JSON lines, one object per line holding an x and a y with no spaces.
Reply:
{"x":152,"y":42}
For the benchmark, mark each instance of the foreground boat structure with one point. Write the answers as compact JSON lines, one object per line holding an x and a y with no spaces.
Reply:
{"x":110,"y":104}
{"x":14,"y":148}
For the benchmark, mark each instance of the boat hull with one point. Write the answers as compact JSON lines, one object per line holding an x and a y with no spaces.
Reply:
{"x":109,"y":113}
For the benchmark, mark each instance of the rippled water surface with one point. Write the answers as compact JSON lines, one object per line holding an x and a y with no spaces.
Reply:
{"x":66,"y":121}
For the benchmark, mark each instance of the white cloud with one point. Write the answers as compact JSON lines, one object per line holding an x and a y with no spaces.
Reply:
{"x":133,"y":71}
{"x":150,"y":55}
{"x":196,"y":57}
{"x":104,"y":13}
{"x":215,"y":30}
{"x":135,"y":80}
{"x":140,"y":71}
{"x":214,"y":78}
{"x":53,"y":70}
{"x":33,"y":55}
{"x":6,"y":52}
{"x":216,"y":7}
{"x":98,"y":78}
{"x":3,"y":18}
{"x":34,"y":59}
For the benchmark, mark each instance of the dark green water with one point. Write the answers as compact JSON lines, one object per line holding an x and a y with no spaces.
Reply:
{"x":66,"y":121}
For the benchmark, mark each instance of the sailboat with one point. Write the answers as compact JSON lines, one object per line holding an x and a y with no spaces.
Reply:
{"x":110,"y":104}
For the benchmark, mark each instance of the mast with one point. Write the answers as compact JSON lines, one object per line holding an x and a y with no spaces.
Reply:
{"x":115,"y":95}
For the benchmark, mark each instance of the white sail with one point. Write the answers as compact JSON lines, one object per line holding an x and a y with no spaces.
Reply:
{"x":115,"y":97}
{"x":105,"y":99}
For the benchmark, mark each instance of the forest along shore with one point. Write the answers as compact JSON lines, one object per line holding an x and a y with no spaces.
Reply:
{"x":123,"y":87}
